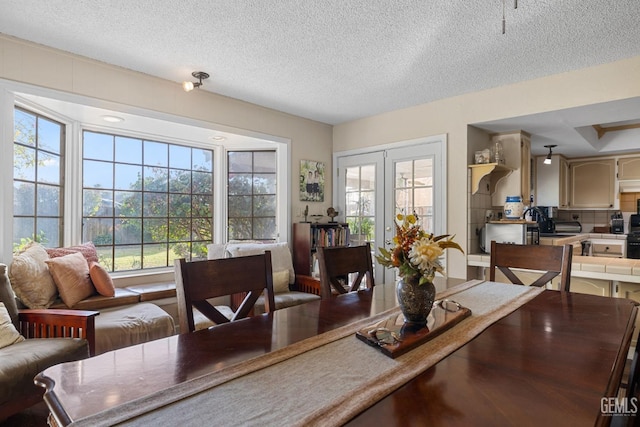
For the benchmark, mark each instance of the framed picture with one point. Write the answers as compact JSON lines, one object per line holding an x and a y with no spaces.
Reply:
{"x":311,"y":181}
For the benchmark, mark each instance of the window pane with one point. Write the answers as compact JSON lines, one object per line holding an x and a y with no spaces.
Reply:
{"x":239,"y":184}
{"x":128,"y":177}
{"x":128,"y":231}
{"x":97,"y":230}
{"x":264,"y":184}
{"x":239,"y":206}
{"x":24,"y":163}
{"x":264,"y":228}
{"x":156,"y":154}
{"x":97,"y":174}
{"x":180,"y":230}
{"x":24,"y":128}
{"x":179,"y":157}
{"x":128,"y":150}
{"x":23,"y":228}
{"x":202,"y":160}
{"x":265,"y":161}
{"x":202,"y":182}
{"x":179,"y":206}
{"x":154,"y":256}
{"x":97,"y":146}
{"x":49,"y":135}
{"x":239,"y":228}
{"x":154,"y":230}
{"x":154,"y":205}
{"x":49,"y":199}
{"x":156,"y":179}
{"x":48,"y":231}
{"x":48,"y":168}
{"x":200,"y":227}
{"x":24,"y":195}
{"x":97,"y":203}
{"x":202,"y":206}
{"x":264,"y":206}
{"x":240,"y":161}
{"x":180,"y":181}
{"x":128,"y":204}
{"x":127,"y":258}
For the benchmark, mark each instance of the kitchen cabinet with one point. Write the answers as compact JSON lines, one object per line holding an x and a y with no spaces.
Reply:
{"x":629,"y":168}
{"x":631,"y":291}
{"x":592,"y":183}
{"x":516,"y":147}
{"x":552,"y":182}
{"x":584,"y":285}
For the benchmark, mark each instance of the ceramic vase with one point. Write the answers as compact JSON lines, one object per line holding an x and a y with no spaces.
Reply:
{"x":415,"y":300}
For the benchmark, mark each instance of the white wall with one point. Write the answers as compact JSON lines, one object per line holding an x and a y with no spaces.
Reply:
{"x":609,"y":82}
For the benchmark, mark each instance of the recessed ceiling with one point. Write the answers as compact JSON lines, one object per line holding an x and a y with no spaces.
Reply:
{"x":337,"y":60}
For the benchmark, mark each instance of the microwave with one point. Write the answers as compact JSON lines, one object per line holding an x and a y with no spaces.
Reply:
{"x":519,"y":234}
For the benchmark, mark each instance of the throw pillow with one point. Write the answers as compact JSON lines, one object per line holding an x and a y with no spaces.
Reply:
{"x":101,"y":279}
{"x":71,"y":275}
{"x":30,"y":278}
{"x":88,"y":250}
{"x":8,"y":333}
{"x":280,"y":255}
{"x":280,"y":281}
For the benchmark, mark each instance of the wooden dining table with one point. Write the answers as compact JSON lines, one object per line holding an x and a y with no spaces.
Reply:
{"x":550,"y":362}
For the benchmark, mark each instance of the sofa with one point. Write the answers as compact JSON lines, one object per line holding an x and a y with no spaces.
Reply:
{"x":289,"y":289}
{"x":71,"y":278}
{"x":33,"y":340}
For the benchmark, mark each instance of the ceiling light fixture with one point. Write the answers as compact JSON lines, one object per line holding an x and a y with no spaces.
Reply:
{"x":112,"y":119}
{"x":547,"y":161}
{"x":200,"y":75}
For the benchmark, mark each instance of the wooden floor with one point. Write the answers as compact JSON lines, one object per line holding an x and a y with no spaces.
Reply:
{"x":36,"y":416}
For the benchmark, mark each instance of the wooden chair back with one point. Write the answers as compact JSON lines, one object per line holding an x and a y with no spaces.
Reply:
{"x":338,"y":262}
{"x":198,"y":281}
{"x":552,"y":260}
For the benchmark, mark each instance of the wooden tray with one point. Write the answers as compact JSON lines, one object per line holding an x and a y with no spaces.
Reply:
{"x":410,"y":336}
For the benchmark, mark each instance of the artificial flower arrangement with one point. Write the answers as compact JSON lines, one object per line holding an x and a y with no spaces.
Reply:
{"x":416,"y":253}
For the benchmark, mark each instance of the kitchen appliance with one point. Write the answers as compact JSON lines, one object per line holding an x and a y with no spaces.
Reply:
{"x":521,"y":233}
{"x":617,"y":223}
{"x":633,"y":238}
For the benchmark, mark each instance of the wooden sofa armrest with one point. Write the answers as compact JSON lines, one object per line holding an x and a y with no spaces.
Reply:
{"x":307,"y":284}
{"x":59,"y":323}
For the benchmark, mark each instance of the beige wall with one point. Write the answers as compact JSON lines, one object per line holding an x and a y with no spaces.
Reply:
{"x":25,"y":62}
{"x":615,"y":81}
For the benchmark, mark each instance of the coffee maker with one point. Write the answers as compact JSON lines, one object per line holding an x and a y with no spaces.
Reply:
{"x":617,"y":223}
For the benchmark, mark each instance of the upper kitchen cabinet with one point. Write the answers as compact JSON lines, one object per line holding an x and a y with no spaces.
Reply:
{"x":592,"y":183}
{"x":552,"y":182}
{"x":629,"y":168}
{"x":516,"y":148}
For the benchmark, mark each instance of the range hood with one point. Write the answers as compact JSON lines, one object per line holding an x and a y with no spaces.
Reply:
{"x":629,"y":186}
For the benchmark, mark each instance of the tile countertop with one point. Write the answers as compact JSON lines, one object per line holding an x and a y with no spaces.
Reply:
{"x":616,"y":269}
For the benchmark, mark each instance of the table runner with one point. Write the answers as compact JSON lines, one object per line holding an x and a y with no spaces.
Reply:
{"x":305,"y":384}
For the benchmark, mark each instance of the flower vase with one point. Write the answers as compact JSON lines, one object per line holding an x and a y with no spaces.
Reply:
{"x":415,"y":300}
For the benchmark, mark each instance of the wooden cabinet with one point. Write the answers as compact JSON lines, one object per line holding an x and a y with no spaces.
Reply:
{"x":516,"y":147}
{"x":629,"y":168}
{"x":308,"y":236}
{"x":552,"y":182}
{"x":592,"y":184}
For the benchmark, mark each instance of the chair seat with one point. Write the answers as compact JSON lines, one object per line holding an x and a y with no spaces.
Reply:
{"x":22,"y":361}
{"x":129,"y":325}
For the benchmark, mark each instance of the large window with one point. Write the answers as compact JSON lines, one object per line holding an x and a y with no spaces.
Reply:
{"x":145,"y":203}
{"x":252,"y":198}
{"x":37,"y":179}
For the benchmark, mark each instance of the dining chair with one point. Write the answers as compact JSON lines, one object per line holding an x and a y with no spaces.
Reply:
{"x":552,"y":260}
{"x":199,"y":281}
{"x":340,"y":263}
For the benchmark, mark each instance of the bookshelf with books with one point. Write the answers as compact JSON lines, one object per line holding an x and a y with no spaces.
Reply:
{"x":308,"y":236}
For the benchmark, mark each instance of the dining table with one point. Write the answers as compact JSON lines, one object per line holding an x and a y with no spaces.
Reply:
{"x":550,"y":359}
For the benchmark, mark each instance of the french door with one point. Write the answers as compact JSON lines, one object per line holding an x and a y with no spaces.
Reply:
{"x":373,"y":187}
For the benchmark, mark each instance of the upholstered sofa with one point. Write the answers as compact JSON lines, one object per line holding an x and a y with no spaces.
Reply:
{"x":70,"y":278}
{"x":289,"y":289}
{"x":22,"y":359}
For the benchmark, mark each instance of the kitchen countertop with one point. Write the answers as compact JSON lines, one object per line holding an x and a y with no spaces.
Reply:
{"x":615,"y":269}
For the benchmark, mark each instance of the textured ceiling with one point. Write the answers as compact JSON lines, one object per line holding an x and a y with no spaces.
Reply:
{"x":335,"y":60}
